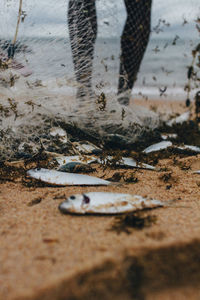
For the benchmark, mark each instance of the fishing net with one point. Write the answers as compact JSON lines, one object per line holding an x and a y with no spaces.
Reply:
{"x":75,"y":64}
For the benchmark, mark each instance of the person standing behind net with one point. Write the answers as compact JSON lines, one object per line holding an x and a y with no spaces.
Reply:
{"x":82,"y":22}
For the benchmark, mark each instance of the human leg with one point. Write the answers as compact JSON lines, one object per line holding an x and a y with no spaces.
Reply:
{"x":134,"y":42}
{"x":82,"y":22}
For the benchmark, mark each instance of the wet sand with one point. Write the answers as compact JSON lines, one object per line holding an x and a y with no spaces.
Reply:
{"x":47,"y":255}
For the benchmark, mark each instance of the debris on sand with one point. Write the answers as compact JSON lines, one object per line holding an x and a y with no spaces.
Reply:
{"x":34,"y":201}
{"x":53,"y":177}
{"x":136,"y":221}
{"x":106,"y":203}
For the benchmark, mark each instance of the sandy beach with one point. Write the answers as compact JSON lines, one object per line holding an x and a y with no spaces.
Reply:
{"x":47,"y":255}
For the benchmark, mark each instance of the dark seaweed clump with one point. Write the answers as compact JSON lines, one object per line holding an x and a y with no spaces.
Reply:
{"x":188,"y":133}
{"x":135,"y":221}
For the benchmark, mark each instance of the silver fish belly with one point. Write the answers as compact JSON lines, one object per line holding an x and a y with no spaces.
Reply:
{"x":106,"y":203}
{"x":59,"y":178}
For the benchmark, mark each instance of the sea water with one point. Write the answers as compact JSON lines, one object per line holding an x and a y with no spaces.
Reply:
{"x":48,"y":55}
{"x":50,"y":60}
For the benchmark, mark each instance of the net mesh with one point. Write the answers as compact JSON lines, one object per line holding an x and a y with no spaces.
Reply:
{"x":78,"y":62}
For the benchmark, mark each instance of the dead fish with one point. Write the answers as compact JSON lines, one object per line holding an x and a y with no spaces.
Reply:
{"x":106,"y":203}
{"x":70,"y":167}
{"x":75,"y":167}
{"x":85,"y":159}
{"x":86,"y":148}
{"x":59,"y":178}
{"x":189,"y":147}
{"x":158,"y":147}
{"x":180,"y":119}
{"x":129,"y":162}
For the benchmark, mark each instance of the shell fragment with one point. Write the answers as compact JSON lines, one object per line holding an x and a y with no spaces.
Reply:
{"x":59,"y":178}
{"x":106,"y":203}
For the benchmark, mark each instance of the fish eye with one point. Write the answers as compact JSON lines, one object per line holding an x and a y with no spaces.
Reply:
{"x":72,"y":197}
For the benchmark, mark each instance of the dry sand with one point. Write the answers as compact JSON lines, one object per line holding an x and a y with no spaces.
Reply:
{"x":47,"y":255}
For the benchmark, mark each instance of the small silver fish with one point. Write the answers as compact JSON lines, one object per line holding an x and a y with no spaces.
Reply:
{"x":84,"y":159}
{"x":129,"y":162}
{"x":189,"y":147}
{"x":106,"y":203}
{"x":86,"y":148}
{"x":158,"y":147}
{"x":59,"y":178}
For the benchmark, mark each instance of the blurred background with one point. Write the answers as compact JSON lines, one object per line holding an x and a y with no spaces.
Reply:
{"x":45,"y":48}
